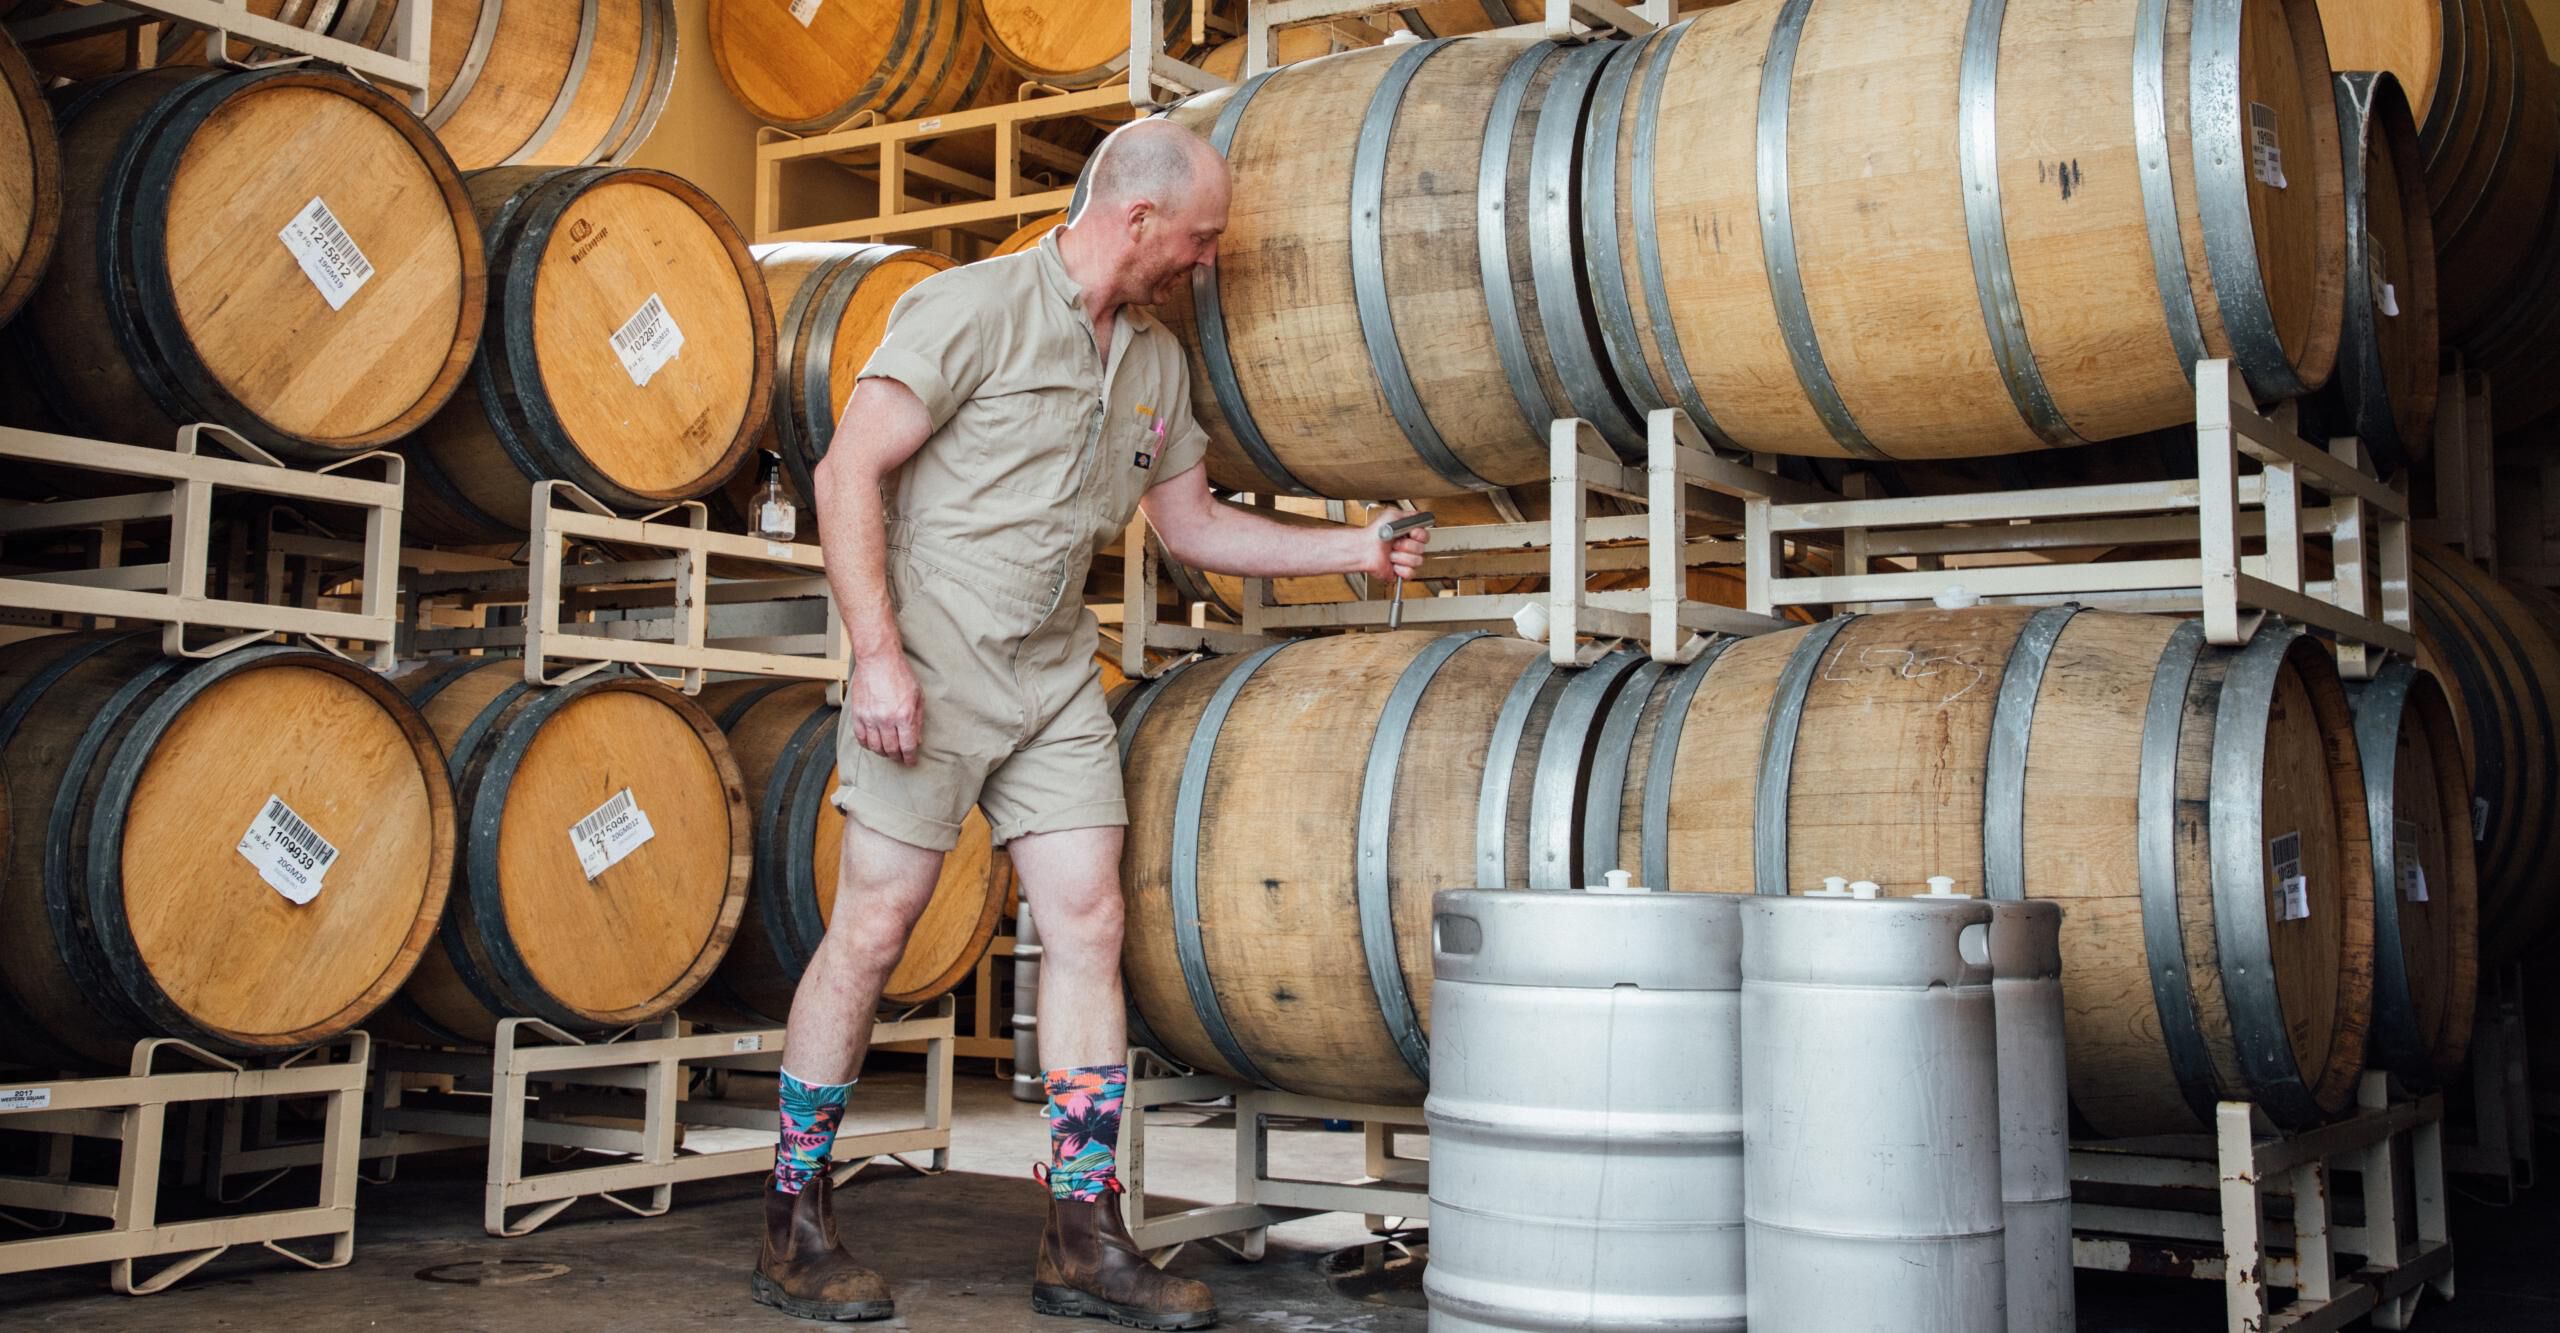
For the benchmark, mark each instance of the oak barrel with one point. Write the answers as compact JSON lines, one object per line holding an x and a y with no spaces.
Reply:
{"x":2199,"y":812}
{"x":2498,"y":656}
{"x":30,"y":181}
{"x":537,"y":82}
{"x":1291,"y":946}
{"x":2518,"y":343}
{"x":604,"y":855}
{"x":1074,"y":43}
{"x":168,"y":814}
{"x":285,"y":252}
{"x":2426,"y":904}
{"x":1453,"y":18}
{"x":814,"y":64}
{"x":628,"y":350}
{"x":1946,"y":228}
{"x":2488,"y":107}
{"x":1029,"y":234}
{"x":833,"y":304}
{"x":1289,"y":46}
{"x":2389,"y":349}
{"x":1396,"y":309}
{"x":784,"y":735}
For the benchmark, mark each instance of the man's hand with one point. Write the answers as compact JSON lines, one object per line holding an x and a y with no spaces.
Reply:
{"x":1398,"y":559}
{"x":886,"y":707}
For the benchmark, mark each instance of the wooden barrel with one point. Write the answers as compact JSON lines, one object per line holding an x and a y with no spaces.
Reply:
{"x":2499,"y":660}
{"x":604,"y":855}
{"x":834,"y":303}
{"x":1074,"y":43}
{"x":537,"y":82}
{"x":1029,"y":235}
{"x":784,"y":735}
{"x":2199,"y":812}
{"x":1452,"y":18}
{"x":2488,"y":107}
{"x":248,"y":852}
{"x":1415,"y":763}
{"x":628,"y":350}
{"x":1354,"y":230}
{"x":811,"y":67}
{"x":2518,"y":344}
{"x":1807,"y":270}
{"x":218,"y":196}
{"x":1291,"y":45}
{"x":30,"y":181}
{"x":2426,"y":906}
{"x":2388,"y":351}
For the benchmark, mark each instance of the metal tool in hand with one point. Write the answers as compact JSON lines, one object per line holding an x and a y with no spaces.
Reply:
{"x":1390,"y":532}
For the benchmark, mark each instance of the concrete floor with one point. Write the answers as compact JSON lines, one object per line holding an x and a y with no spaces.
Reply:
{"x":958,"y":1250}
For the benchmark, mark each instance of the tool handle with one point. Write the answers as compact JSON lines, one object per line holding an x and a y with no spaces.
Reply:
{"x":1408,"y":523}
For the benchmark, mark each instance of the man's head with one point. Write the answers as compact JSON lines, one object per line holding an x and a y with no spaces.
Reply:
{"x":1155,"y":204}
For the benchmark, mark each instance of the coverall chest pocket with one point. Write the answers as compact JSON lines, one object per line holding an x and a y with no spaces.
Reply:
{"x":1030,"y":442}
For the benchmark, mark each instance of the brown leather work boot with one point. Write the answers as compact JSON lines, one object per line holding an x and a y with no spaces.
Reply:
{"x":803,"y":1271}
{"x":1090,"y":1267}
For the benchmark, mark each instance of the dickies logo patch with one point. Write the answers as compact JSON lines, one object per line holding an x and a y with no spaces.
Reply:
{"x":1153,"y":443}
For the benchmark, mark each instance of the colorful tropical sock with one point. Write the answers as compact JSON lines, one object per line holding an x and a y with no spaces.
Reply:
{"x":1084,"y":1130}
{"x":810,"y":1114}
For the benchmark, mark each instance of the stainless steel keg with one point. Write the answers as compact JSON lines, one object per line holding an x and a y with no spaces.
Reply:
{"x":1871,"y":1117}
{"x":1585,"y":1112}
{"x":2035,"y":1114}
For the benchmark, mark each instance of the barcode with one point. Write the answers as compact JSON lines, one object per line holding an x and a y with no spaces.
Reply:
{"x":594,"y":825}
{"x":2286,"y":852}
{"x":641,"y":329}
{"x":335,"y":245}
{"x":300,"y":835}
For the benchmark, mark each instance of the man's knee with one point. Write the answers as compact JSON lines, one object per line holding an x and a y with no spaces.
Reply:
{"x":1082,"y":917}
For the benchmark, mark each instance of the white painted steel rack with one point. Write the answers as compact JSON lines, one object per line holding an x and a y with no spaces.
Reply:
{"x":623,"y":1096}
{"x":2237,"y":1242}
{"x":1395,"y":1190}
{"x":663,"y":612}
{"x":2254,"y":479}
{"x":227,"y":21}
{"x":131,"y":1110}
{"x":177,"y":593}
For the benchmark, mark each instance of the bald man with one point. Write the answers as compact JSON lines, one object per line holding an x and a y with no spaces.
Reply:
{"x":1017,"y":413}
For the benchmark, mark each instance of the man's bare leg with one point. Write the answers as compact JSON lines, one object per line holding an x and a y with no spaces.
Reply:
{"x":883,"y":885}
{"x":1088,"y":1265}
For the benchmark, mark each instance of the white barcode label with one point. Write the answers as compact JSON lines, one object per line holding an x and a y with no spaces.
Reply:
{"x":805,"y":10}
{"x":746,"y":1044}
{"x":613,"y":831}
{"x":2286,"y":853}
{"x":2479,"y":819}
{"x":647,"y":340}
{"x":2266,"y":154}
{"x":290,"y":855}
{"x":327,"y":254}
{"x":2377,"y":266}
{"x":25,"y":1099}
{"x":2297,"y":900}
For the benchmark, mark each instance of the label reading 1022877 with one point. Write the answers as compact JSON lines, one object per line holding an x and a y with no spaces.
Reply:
{"x":290,"y":855}
{"x":647,"y":340}
{"x":327,"y":254}
{"x":611,"y":832}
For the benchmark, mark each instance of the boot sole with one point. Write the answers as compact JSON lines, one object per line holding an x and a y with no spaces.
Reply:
{"x":1071,"y":1303}
{"x":769,"y":1292}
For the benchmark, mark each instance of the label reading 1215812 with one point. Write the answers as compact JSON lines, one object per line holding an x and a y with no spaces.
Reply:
{"x":327,"y":254}
{"x":290,"y":855}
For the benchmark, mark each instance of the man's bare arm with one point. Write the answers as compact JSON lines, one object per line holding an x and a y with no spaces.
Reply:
{"x":1205,"y":532}
{"x":880,"y":429}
